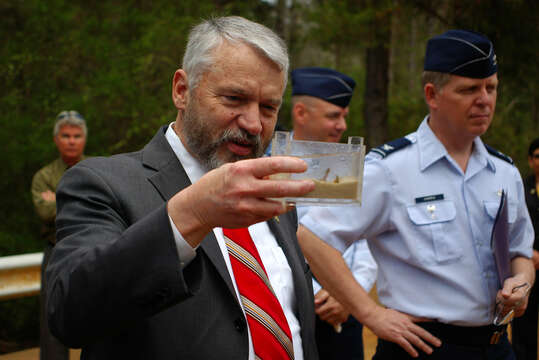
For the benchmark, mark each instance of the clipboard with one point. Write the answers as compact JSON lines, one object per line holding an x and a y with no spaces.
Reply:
{"x":499,"y":243}
{"x":499,"y":240}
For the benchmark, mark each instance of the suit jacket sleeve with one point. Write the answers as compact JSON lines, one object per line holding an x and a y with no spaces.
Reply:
{"x":111,"y":266}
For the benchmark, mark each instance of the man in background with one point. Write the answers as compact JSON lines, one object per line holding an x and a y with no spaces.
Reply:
{"x":525,"y":327}
{"x":69,"y":136}
{"x":320,"y":106}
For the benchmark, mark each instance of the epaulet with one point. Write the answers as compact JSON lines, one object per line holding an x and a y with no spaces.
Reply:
{"x":391,"y":147}
{"x":499,"y":155}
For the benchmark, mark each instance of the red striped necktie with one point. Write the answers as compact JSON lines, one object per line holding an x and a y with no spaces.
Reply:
{"x":270,"y":333}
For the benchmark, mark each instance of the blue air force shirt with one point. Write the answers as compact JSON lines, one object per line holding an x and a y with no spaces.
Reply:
{"x":428,"y":225}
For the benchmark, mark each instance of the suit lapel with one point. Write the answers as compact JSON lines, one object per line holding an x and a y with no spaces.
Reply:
{"x":212,"y":249}
{"x":168,"y":178}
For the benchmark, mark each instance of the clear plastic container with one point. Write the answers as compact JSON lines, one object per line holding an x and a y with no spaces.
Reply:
{"x":336,"y":168}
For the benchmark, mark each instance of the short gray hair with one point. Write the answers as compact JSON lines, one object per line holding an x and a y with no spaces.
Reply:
{"x":305,"y":99}
{"x":438,"y":79}
{"x":69,"y":117}
{"x":209,"y":34}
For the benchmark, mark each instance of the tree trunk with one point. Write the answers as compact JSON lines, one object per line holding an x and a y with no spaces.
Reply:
{"x":375,"y":112}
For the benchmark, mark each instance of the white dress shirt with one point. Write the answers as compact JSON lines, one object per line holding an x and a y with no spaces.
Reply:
{"x":273,"y":258}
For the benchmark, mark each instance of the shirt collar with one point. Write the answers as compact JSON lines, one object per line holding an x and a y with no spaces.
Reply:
{"x":191,"y":165}
{"x":480,"y":153}
{"x":431,"y":149}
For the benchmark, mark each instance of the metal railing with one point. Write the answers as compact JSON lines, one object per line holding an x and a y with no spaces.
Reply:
{"x":20,"y":275}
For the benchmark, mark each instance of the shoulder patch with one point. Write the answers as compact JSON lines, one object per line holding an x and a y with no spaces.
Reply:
{"x":391,"y":147}
{"x":498,"y":154}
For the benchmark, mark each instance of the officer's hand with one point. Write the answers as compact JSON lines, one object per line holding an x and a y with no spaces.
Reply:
{"x":400,"y":328}
{"x":513,"y":296}
{"x":329,"y":309}
{"x":236,"y":195}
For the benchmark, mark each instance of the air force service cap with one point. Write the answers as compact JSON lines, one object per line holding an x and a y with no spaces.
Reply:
{"x":461,"y":52}
{"x":326,"y":84}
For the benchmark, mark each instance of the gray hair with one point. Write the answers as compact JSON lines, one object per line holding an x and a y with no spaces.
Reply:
{"x":209,"y":34}
{"x":305,"y":99}
{"x":70,"y":117}
{"x":438,"y":79}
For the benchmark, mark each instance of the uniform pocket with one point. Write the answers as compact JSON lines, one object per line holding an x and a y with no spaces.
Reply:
{"x":491,"y":208}
{"x":433,"y":221}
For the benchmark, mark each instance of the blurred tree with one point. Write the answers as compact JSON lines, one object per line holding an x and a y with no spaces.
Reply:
{"x":375,"y":108}
{"x":333,"y":37}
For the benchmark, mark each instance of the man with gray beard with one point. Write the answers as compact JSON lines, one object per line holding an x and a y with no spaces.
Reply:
{"x":176,"y":251}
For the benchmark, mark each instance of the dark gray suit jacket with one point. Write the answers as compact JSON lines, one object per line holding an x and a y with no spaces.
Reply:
{"x":115,"y":287}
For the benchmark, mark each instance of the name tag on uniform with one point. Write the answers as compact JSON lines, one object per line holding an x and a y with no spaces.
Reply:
{"x":429,"y":198}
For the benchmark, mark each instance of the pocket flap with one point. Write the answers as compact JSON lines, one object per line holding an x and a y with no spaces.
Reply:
{"x":491,"y":207}
{"x":432,"y":212}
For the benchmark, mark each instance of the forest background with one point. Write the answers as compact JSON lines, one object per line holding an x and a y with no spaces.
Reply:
{"x":113,"y":61}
